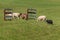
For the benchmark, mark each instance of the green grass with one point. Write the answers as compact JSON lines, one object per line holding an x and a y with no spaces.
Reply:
{"x":31,"y":29}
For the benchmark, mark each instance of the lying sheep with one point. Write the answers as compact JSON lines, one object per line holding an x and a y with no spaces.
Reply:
{"x":24,"y":16}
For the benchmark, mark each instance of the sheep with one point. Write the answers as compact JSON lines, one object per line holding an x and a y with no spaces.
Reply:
{"x":41,"y":18}
{"x":16,"y":15}
{"x":49,"y":21}
{"x":24,"y":16}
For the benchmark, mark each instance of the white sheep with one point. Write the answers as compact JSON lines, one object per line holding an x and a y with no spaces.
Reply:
{"x":41,"y":18}
{"x":16,"y":15}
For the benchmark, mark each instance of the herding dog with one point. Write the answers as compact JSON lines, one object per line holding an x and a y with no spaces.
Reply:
{"x":49,"y":21}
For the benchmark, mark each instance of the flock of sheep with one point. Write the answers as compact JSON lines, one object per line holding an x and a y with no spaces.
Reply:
{"x":25,"y":16}
{"x":20,"y":15}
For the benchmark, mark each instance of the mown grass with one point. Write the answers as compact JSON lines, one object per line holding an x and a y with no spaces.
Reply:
{"x":30,"y":29}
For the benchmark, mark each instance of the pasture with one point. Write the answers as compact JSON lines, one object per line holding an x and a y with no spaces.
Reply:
{"x":30,"y":29}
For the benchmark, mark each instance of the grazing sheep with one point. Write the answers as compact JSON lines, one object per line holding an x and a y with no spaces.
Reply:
{"x":49,"y":21}
{"x":41,"y":18}
{"x":16,"y":15}
{"x":24,"y":16}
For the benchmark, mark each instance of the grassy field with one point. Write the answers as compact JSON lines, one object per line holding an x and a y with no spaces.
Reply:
{"x":30,"y":30}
